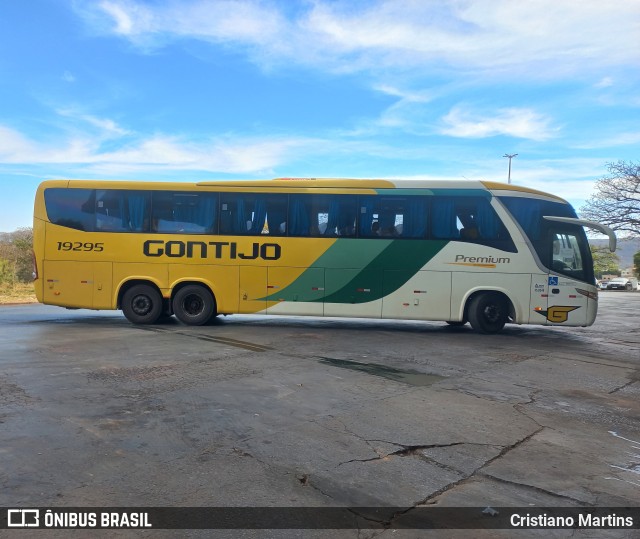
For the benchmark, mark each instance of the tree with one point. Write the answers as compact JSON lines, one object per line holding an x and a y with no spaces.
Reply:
{"x":604,"y":261}
{"x":616,"y":202}
{"x":23,"y":241}
{"x":636,"y":264}
{"x":16,"y":262}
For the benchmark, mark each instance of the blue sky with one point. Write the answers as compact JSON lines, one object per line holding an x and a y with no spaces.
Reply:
{"x":190,"y":90}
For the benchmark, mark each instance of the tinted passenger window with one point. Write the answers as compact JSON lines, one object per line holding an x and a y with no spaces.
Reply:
{"x":322,"y":215}
{"x":72,"y":208}
{"x":122,"y":211}
{"x":184,"y":212}
{"x":393,"y":216}
{"x":469,"y":219}
{"x":253,"y":214}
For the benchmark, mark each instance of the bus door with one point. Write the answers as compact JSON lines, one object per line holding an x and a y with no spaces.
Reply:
{"x":539,"y":299}
{"x":568,"y":270}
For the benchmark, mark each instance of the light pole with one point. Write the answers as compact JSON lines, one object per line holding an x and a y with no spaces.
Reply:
{"x":510,"y":157}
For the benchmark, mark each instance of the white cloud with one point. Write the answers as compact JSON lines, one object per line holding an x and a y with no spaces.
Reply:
{"x":605,"y":82}
{"x":490,"y":36}
{"x":236,"y":21}
{"x":571,"y":179}
{"x":408,"y":112}
{"x":515,"y":122}
{"x":622,"y":138}
{"x":123,"y":21}
{"x":158,"y":152}
{"x":14,"y":147}
{"x":221,"y":155}
{"x":106,"y":127}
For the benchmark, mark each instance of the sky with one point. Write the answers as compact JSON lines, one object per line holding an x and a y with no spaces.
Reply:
{"x":193,"y":90}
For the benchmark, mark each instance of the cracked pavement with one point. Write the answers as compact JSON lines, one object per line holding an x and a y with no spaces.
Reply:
{"x":262,"y":411}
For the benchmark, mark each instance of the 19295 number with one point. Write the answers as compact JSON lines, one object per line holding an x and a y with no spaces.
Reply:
{"x":80,"y":246}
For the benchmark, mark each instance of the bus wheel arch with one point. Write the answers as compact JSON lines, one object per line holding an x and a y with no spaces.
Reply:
{"x":488,"y":311}
{"x":141,"y":302}
{"x":193,"y":303}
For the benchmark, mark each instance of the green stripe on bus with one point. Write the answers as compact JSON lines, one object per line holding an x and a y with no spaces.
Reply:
{"x":369,"y":259}
{"x":367,"y":285}
{"x":344,"y":253}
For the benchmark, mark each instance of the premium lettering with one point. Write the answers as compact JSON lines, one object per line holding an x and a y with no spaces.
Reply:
{"x":482,"y":259}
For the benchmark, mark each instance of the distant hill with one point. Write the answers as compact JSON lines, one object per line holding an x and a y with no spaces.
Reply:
{"x":626,"y":249}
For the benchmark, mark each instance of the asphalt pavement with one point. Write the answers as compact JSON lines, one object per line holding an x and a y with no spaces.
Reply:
{"x":308,"y":412}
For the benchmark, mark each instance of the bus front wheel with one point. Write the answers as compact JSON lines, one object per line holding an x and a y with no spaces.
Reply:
{"x":488,"y":312}
{"x":142,"y":304}
{"x":194,"y":305}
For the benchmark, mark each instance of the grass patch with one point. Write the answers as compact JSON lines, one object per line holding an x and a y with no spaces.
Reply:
{"x":17,"y":293}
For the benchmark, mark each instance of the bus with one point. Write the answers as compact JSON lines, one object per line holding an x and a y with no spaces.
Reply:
{"x":481,"y":252}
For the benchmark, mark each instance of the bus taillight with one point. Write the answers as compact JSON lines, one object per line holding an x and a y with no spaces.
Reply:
{"x":35,"y":266}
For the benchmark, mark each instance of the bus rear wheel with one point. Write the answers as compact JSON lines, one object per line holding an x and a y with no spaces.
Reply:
{"x":488,"y":312}
{"x":142,"y":304}
{"x":194,"y":305}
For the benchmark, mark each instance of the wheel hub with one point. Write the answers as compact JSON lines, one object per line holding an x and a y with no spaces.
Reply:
{"x":193,"y":305}
{"x":141,"y":305}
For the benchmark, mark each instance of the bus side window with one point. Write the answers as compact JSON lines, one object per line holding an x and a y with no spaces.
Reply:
{"x":122,"y":211}
{"x":276,"y":215}
{"x":392,"y":216}
{"x":253,"y":214}
{"x":71,"y":208}
{"x":184,"y":212}
{"x":300,"y":219}
{"x":444,"y":218}
{"x":470,"y":219}
{"x":341,"y":216}
{"x":236,"y":213}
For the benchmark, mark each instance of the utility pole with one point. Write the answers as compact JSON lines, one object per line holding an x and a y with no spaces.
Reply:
{"x":510,"y":157}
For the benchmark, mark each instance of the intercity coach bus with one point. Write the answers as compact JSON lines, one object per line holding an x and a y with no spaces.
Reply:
{"x":467,"y":251}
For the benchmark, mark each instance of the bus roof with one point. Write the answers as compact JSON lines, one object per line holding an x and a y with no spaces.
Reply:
{"x":373,"y":184}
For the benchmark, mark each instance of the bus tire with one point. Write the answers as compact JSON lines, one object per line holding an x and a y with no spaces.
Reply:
{"x":194,"y":305}
{"x":142,"y":304}
{"x":488,"y":312}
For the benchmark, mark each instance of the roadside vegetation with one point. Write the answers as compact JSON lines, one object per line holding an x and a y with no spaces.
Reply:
{"x":16,"y":267}
{"x":604,"y":262}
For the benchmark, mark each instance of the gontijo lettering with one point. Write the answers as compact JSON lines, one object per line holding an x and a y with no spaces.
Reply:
{"x":211,"y":249}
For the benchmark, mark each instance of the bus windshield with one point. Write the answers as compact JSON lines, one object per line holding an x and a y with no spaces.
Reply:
{"x":561,"y":247}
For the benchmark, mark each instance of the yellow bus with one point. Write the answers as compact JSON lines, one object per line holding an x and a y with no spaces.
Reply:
{"x":469,"y":251}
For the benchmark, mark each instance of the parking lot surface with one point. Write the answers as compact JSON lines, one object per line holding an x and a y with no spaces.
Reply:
{"x":288,"y":411}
